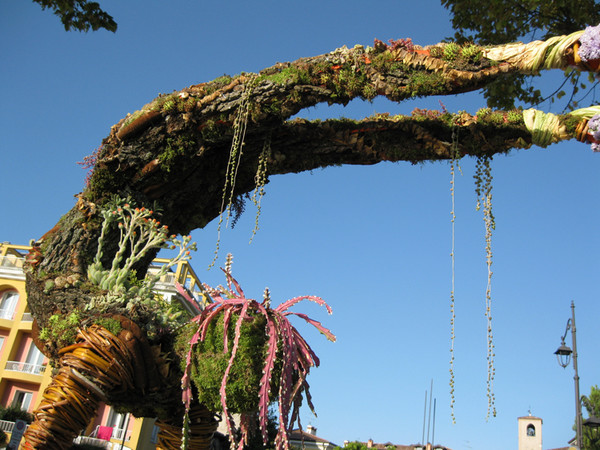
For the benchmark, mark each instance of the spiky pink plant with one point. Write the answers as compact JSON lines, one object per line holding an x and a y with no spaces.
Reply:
{"x":282,"y":341}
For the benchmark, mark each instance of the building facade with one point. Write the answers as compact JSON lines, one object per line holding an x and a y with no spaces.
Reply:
{"x":24,"y":370}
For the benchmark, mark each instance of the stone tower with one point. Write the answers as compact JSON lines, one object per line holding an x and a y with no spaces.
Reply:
{"x":530,"y":433}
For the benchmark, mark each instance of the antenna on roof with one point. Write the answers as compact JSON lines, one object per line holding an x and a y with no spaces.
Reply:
{"x":433,"y":430}
{"x":429,"y":420}
{"x":424,"y":415}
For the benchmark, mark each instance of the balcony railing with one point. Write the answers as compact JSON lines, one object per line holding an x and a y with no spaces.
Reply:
{"x":18,"y":366}
{"x":118,"y":434}
{"x":100,"y":443}
{"x":167,"y":278}
{"x":11,"y":266}
{"x":7,"y":426}
{"x":11,"y":262}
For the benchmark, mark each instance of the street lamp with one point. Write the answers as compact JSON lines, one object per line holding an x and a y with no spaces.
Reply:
{"x":592,"y":422}
{"x":563,"y":355}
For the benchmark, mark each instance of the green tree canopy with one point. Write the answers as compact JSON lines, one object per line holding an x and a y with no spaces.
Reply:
{"x":591,"y":436}
{"x":503,"y":21}
{"x":80,"y":15}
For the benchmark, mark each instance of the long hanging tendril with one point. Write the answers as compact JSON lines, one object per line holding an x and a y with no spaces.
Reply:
{"x":483,"y":189}
{"x":454,"y":165}
{"x":240,"y":124}
{"x":260,"y":181}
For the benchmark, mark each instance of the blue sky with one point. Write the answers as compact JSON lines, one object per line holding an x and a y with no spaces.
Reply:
{"x":374,"y":241}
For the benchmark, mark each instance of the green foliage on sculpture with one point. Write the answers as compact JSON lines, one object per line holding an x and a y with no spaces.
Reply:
{"x":61,"y":330}
{"x":139,"y":233}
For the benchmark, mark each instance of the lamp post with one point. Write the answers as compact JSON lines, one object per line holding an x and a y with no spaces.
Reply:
{"x":563,"y":355}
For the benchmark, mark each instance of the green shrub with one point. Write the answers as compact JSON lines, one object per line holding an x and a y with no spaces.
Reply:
{"x":13,"y":413}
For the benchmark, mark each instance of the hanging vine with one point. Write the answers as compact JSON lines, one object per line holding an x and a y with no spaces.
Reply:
{"x":483,"y":189}
{"x":454,"y":165}
{"x":240,"y":124}
{"x":261,"y":180}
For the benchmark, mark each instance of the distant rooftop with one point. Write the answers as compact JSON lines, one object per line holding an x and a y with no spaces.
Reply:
{"x":308,"y":438}
{"x":389,"y":445}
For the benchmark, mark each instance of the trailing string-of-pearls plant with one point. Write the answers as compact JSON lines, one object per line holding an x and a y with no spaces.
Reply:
{"x":545,"y":129}
{"x":483,"y":189}
{"x":240,"y":125}
{"x":454,"y":165}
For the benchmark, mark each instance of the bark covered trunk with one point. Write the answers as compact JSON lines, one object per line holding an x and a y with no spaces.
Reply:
{"x":174,"y":151}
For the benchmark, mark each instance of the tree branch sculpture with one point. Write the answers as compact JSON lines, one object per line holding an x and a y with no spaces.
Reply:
{"x":189,"y":153}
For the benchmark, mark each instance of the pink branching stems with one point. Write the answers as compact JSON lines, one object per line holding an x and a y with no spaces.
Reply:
{"x":282,"y":341}
{"x":89,"y":163}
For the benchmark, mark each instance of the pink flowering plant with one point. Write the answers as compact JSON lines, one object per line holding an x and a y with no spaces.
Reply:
{"x":244,"y":355}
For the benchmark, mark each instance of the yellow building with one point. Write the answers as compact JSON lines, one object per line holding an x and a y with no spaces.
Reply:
{"x":24,"y":372}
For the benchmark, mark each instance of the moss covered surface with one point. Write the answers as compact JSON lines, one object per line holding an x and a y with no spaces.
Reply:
{"x":210,"y":360}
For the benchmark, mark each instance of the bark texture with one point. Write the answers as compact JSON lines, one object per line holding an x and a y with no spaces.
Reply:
{"x":174,"y":151}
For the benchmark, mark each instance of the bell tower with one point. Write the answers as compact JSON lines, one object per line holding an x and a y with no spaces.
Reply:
{"x":530,"y":433}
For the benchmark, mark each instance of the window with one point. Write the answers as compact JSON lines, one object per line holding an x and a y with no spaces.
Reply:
{"x":22,"y":399}
{"x":115,"y":419}
{"x":8,"y":304}
{"x":34,"y":360}
{"x":530,"y":430}
{"x":119,"y":423}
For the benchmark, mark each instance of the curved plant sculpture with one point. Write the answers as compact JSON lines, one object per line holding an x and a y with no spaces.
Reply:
{"x":174,"y":155}
{"x":275,"y":349}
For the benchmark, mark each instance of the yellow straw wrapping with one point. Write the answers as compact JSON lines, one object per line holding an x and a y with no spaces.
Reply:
{"x":545,"y":128}
{"x":586,"y":113}
{"x":536,"y":55}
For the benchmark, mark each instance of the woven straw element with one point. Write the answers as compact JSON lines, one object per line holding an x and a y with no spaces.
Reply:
{"x":545,"y":128}
{"x":203,"y":425}
{"x":536,"y":55}
{"x":96,"y":364}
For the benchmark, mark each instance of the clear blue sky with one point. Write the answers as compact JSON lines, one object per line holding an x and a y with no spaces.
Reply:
{"x":373,"y":241}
